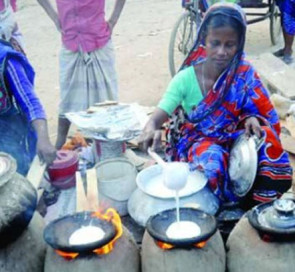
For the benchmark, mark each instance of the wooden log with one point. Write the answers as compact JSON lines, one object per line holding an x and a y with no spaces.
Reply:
{"x":35,"y":175}
{"x":36,"y":172}
{"x":288,"y":143}
{"x":275,"y":74}
{"x":281,"y":104}
{"x":290,"y":124}
{"x":92,"y":189}
{"x":81,"y":200}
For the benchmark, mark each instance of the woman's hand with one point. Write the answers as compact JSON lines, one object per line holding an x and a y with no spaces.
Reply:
{"x":252,"y":126}
{"x":151,"y":134}
{"x":150,"y":138}
{"x":45,"y":149}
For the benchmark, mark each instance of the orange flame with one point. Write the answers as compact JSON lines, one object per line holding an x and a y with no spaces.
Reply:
{"x":111,"y":216}
{"x":67,"y":255}
{"x":114,"y":217}
{"x":166,"y":246}
{"x":200,"y":245}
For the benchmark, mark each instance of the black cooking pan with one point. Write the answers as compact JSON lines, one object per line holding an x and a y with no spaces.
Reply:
{"x":158,"y":224}
{"x":59,"y":231}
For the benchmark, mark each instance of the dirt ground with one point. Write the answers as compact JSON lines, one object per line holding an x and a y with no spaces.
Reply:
{"x":141,"y":41}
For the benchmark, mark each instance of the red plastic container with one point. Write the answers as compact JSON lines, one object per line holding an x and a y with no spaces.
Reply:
{"x":62,"y":171}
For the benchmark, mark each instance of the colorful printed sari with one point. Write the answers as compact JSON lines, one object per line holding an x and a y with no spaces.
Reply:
{"x":204,"y":137}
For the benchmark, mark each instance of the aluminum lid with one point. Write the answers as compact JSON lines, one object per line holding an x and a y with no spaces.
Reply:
{"x":7,"y":167}
{"x":281,"y":215}
{"x":243,"y":162}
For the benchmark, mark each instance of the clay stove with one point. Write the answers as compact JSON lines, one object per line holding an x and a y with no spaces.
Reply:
{"x":264,"y":239}
{"x":161,"y":253}
{"x":116,"y":251}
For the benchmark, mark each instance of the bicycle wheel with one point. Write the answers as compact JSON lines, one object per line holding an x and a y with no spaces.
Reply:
{"x":275,"y":23}
{"x":182,"y":39}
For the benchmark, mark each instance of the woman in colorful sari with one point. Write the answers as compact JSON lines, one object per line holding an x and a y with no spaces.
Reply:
{"x":221,"y":96}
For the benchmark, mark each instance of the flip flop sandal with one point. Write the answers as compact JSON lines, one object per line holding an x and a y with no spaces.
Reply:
{"x":288,"y":59}
{"x":279,"y":53}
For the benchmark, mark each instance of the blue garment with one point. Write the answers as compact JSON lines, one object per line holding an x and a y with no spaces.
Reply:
{"x":23,"y":91}
{"x":20,"y":106}
{"x":287,"y":8}
{"x":17,"y":139}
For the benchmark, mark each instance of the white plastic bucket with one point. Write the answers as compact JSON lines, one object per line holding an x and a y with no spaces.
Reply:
{"x":116,"y":182}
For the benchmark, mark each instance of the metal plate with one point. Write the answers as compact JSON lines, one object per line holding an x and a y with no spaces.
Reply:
{"x":243,"y":162}
{"x":150,"y":181}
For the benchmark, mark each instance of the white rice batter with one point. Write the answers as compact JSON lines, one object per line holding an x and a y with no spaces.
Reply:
{"x":183,"y":230}
{"x":86,"y":235}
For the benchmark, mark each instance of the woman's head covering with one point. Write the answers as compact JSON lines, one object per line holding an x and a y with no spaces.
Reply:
{"x":228,"y":10}
{"x":198,"y":55}
{"x":225,"y":9}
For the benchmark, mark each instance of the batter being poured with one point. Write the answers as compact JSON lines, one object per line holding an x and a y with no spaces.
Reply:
{"x":175,"y":178}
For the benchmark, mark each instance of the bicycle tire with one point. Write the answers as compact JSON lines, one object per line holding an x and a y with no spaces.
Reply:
{"x":184,"y":18}
{"x":275,"y":23}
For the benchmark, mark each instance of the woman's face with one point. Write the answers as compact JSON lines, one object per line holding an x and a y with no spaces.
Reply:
{"x":221,"y":46}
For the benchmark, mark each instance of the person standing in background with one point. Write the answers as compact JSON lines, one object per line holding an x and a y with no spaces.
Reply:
{"x":87,"y":59}
{"x":287,"y":8}
{"x":9,"y":30}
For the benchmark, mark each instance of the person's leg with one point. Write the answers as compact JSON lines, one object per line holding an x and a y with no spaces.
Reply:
{"x":288,"y":27}
{"x":288,"y":40}
{"x":62,"y":132}
{"x":73,"y":90}
{"x":101,"y":75}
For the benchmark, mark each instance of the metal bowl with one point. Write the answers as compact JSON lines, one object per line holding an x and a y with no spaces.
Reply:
{"x":150,"y":181}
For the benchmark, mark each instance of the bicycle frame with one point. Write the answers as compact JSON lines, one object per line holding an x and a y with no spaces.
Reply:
{"x":191,"y":5}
